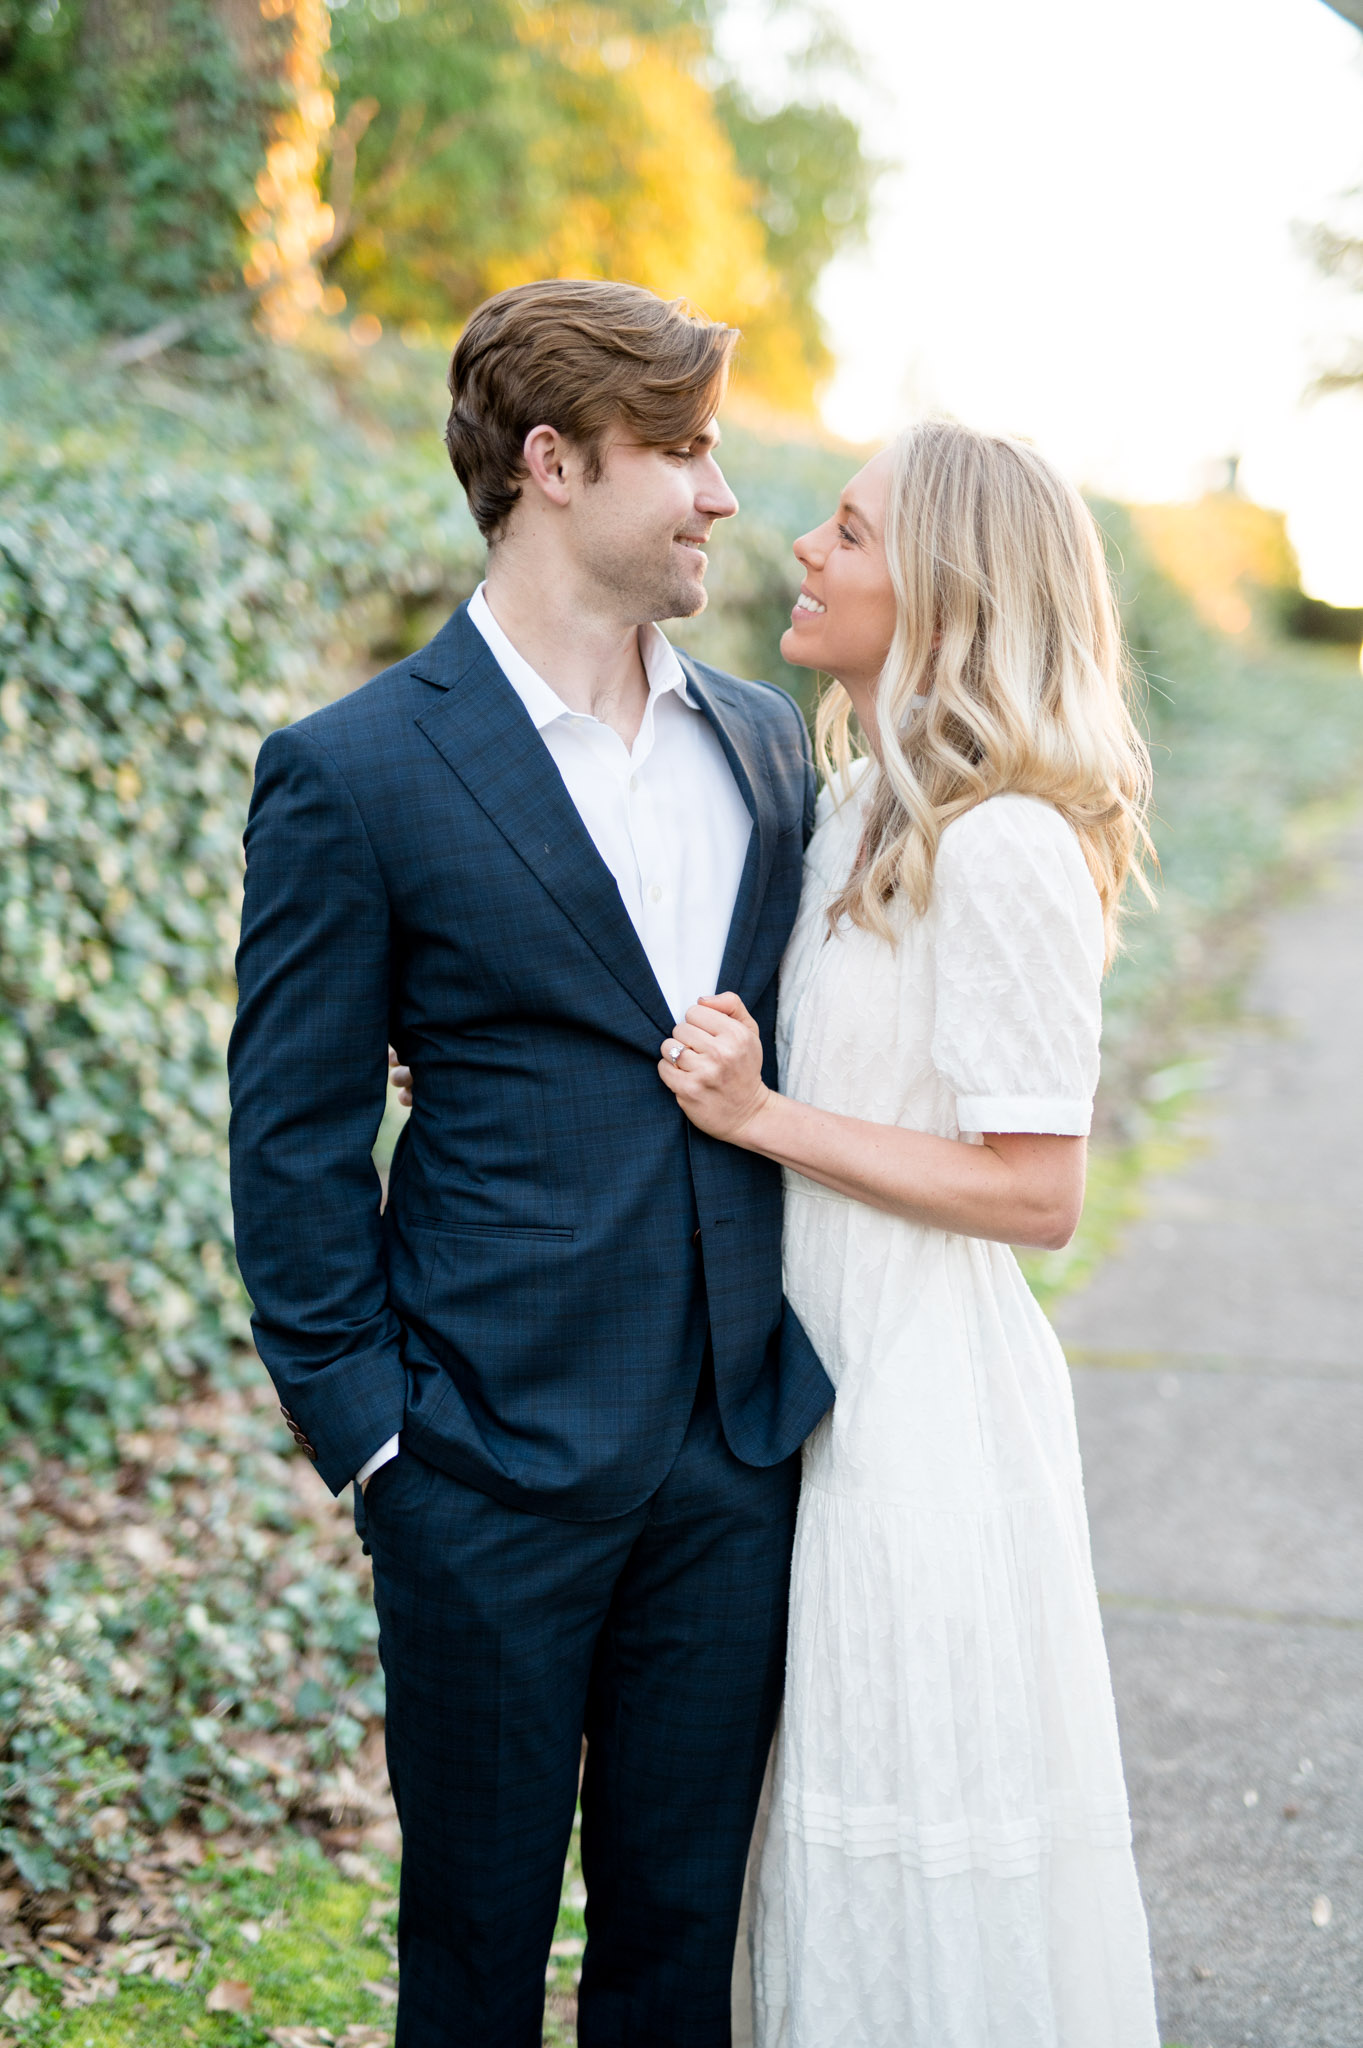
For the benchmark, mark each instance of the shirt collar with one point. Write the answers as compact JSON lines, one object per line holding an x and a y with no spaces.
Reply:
{"x":661,"y":665}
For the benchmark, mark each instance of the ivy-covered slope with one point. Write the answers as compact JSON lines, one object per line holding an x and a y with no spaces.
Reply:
{"x":157,"y":617}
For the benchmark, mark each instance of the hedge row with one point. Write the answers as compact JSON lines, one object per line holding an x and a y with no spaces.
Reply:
{"x":155,"y":622}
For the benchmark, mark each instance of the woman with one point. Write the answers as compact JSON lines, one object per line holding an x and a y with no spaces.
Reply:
{"x":947,"y":1862}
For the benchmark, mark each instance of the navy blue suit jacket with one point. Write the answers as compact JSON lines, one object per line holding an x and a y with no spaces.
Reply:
{"x":531,"y":1308}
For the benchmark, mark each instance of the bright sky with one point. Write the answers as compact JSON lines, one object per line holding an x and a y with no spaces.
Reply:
{"x":1090,"y":239}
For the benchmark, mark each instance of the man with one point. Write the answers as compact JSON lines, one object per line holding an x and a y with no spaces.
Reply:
{"x":559,"y":1364}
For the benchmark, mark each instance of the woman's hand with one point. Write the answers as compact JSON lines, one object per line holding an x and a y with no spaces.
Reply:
{"x":713,"y":1065}
{"x":401,"y":1079}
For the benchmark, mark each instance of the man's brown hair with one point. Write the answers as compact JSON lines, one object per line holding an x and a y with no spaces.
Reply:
{"x":580,"y":356}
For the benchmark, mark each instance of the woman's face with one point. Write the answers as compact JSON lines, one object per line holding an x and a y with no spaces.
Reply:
{"x":843,"y":620}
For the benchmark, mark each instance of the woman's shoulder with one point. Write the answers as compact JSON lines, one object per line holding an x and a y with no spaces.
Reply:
{"x":997,"y":831}
{"x":1016,"y":862}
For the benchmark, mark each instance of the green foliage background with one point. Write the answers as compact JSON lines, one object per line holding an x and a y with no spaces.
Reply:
{"x":146,"y":123}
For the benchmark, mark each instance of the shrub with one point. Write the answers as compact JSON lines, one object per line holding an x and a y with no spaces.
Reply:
{"x":190,"y":1638}
{"x":155,"y":622}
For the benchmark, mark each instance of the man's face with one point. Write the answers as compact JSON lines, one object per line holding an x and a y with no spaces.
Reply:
{"x":639,"y":529}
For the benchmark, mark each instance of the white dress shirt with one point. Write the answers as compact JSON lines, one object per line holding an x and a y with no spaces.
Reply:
{"x":665,"y":815}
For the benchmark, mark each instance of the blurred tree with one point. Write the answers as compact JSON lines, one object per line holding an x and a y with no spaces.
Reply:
{"x":1232,"y":557}
{"x":37,"y":39}
{"x":289,"y":223}
{"x":813,"y":185}
{"x":164,"y":123}
{"x":483,"y":144}
{"x":1339,"y":252}
{"x":152,"y":115}
{"x":480,"y":142}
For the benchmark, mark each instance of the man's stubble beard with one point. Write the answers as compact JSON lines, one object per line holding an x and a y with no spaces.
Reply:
{"x":650,"y":592}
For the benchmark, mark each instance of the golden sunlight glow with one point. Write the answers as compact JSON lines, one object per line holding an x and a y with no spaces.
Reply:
{"x":290,"y":222}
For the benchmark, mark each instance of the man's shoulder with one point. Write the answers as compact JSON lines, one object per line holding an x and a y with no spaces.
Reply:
{"x":767,"y":703}
{"x":370,"y":722}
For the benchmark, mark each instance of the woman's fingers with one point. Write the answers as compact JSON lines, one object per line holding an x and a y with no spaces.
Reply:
{"x":710,"y":1022}
{"x":728,"y":1003}
{"x":692,"y":1038}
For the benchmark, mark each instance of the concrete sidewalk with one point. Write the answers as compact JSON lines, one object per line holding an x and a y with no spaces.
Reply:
{"x":1219,"y":1380}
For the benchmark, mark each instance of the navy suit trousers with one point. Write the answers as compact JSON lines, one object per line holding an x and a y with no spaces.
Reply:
{"x":504,"y":1637}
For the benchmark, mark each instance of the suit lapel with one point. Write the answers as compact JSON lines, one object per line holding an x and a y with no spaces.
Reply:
{"x":485,"y":735}
{"x":734,"y":728}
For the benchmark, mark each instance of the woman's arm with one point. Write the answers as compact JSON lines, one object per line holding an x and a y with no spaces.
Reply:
{"x":1016,"y":1187}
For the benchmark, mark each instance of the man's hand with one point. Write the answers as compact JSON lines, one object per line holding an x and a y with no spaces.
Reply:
{"x":401,"y":1079}
{"x":713,"y":1065}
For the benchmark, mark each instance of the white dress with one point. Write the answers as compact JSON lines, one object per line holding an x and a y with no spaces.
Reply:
{"x":947,"y":1859}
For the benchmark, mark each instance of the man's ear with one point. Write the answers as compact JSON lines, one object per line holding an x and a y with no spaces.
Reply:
{"x":548,"y":461}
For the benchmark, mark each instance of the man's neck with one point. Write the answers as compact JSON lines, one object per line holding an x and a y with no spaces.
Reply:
{"x":588,"y":657}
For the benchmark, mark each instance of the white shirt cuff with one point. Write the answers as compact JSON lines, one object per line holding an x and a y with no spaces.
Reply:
{"x":1051,"y":1116}
{"x":380,"y":1457}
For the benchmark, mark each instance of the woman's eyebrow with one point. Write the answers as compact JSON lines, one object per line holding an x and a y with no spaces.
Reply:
{"x":849,"y":509}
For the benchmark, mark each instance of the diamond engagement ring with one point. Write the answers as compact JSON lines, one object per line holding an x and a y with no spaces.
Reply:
{"x":674,"y":1053}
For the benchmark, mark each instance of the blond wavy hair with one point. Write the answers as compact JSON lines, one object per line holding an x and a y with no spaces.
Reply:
{"x":1008,"y":671}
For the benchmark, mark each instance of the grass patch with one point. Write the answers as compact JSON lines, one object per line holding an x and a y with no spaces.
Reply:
{"x":314,"y":1947}
{"x":305,"y":1941}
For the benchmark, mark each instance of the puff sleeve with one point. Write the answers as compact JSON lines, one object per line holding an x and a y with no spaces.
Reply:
{"x":1019,"y":960}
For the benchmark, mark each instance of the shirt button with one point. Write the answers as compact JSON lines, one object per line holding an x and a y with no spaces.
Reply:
{"x":655,"y":894}
{"x":634,"y":782}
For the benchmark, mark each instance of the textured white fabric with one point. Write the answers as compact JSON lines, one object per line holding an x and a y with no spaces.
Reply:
{"x":1017,"y":957}
{"x":947,"y":1858}
{"x":666,"y":815}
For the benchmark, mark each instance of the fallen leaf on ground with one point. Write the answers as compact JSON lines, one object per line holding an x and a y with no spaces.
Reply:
{"x":386,"y":1993}
{"x":229,"y":1994}
{"x":64,"y":1950}
{"x":21,"y":2004}
{"x":180,"y":1848}
{"x":76,"y":1993}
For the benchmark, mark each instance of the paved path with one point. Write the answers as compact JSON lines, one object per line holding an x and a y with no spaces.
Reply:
{"x":1219,"y":1379}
